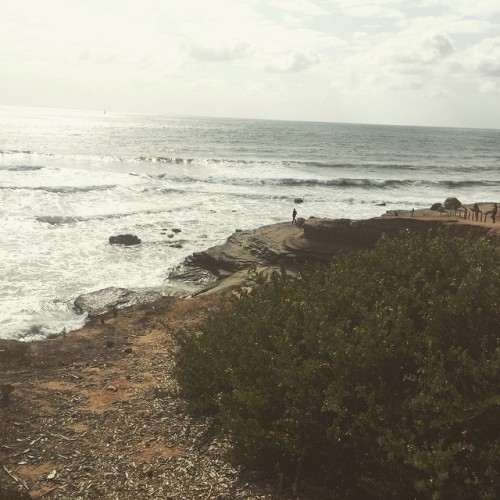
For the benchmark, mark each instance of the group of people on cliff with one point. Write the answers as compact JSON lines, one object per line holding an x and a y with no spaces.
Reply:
{"x":476,"y":211}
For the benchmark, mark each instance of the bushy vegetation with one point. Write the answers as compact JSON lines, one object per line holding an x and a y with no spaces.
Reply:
{"x":375,"y":377}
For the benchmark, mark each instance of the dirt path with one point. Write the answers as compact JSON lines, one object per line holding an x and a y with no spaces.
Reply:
{"x":95,"y":414}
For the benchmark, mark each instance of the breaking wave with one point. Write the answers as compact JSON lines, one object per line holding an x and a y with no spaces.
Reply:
{"x":163,"y":159}
{"x":364,"y":183}
{"x":59,"y":219}
{"x":21,"y":168}
{"x":72,"y":219}
{"x":62,"y":189}
{"x":285,"y":163}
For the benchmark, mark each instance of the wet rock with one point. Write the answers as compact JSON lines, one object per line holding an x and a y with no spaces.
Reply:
{"x":109,"y":299}
{"x":124,"y":239}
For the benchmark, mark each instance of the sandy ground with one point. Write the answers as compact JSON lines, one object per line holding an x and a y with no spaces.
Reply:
{"x":95,"y":414}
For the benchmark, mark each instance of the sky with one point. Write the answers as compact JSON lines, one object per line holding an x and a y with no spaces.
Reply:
{"x":407,"y":62}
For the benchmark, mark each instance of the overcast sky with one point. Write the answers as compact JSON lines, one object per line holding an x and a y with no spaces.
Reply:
{"x":420,"y":62}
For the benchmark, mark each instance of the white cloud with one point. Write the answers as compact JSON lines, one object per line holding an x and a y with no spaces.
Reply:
{"x":489,"y":87}
{"x":301,"y":7}
{"x":476,"y":8}
{"x":436,"y":46}
{"x":484,"y":57}
{"x":462,"y":26}
{"x":391,"y":9}
{"x":219,"y":53}
{"x":243,"y":52}
{"x":295,"y":62}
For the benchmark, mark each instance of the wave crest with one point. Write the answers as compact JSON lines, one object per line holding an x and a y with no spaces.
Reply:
{"x":21,"y":168}
{"x":58,"y":219}
{"x":62,"y":189}
{"x":365,"y":183}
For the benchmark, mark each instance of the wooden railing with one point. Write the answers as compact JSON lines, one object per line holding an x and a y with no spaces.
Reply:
{"x":470,"y":214}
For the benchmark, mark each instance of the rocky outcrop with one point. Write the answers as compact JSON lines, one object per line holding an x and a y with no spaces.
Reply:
{"x":242,"y":250}
{"x":110,"y":299}
{"x":452,"y":204}
{"x":125,"y":239}
{"x":287,"y":246}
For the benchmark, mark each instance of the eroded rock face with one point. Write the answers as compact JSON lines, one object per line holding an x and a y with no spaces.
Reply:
{"x":125,"y":239}
{"x":286,"y":245}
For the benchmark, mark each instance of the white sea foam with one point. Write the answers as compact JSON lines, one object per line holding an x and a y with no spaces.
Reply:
{"x":65,"y":189}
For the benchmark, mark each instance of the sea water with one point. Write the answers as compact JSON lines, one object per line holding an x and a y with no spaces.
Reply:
{"x":71,"y":179}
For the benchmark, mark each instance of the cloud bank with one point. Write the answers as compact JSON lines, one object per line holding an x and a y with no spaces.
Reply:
{"x":385,"y":61}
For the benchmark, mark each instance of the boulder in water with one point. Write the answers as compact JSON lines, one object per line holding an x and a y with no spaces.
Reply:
{"x":124,"y":239}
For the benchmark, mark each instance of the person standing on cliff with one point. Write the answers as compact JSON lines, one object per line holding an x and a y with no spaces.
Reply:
{"x":294,"y":216}
{"x":494,"y":212}
{"x":475,"y":210}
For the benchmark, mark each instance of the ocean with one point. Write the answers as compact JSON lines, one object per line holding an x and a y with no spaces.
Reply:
{"x":71,"y":179}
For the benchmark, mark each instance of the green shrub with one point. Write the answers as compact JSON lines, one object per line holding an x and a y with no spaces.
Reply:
{"x":375,"y":377}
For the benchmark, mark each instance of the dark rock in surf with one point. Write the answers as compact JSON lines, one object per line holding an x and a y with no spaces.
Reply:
{"x":125,"y":239}
{"x":110,"y":299}
{"x":299,"y":200}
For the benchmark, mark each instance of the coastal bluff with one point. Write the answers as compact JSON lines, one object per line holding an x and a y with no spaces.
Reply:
{"x":286,"y":246}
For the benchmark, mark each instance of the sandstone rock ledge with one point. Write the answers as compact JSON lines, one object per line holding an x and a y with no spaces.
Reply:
{"x":287,"y":246}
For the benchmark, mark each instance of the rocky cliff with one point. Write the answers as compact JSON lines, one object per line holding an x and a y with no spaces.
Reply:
{"x":287,"y":246}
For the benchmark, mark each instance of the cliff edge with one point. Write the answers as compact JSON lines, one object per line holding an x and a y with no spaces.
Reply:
{"x":286,"y":246}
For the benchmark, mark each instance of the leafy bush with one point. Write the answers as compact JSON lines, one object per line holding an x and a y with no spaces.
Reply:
{"x":375,"y":377}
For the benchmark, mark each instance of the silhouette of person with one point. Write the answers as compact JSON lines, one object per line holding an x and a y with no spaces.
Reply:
{"x":494,"y":212}
{"x":475,"y":210}
{"x":294,"y":215}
